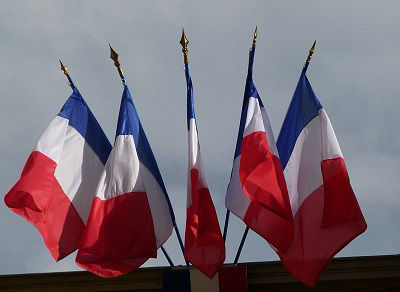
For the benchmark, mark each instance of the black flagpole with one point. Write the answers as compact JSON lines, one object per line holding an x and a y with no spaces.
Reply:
{"x":246,"y":231}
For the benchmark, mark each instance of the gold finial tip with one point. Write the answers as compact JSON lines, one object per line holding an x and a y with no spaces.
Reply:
{"x":113,"y":53}
{"x":255,"y":36}
{"x":311,"y":52}
{"x":313,"y":46}
{"x":184,"y":40}
{"x":63,"y":67}
{"x":114,"y":57}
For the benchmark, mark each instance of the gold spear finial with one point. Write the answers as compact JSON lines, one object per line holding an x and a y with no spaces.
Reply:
{"x":64,"y":68}
{"x":114,"y":57}
{"x":310,"y":53}
{"x":184,"y":42}
{"x":255,"y":37}
{"x":66,"y":72}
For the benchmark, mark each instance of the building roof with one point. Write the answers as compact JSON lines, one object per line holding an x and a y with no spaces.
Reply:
{"x":368,"y":273}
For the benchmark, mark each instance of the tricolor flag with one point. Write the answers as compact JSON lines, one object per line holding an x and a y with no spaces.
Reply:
{"x":59,"y":179}
{"x":228,"y":279}
{"x":326,"y":213}
{"x":257,"y":191}
{"x":131,"y":215}
{"x":204,"y":245}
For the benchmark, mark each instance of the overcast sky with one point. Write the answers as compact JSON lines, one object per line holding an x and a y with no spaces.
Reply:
{"x":354,"y":72}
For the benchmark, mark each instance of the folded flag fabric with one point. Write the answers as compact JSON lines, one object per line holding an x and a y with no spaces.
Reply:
{"x":204,"y":245}
{"x":326,"y":212}
{"x":59,"y":179}
{"x":131,"y":215}
{"x":257,"y":191}
{"x":228,"y":279}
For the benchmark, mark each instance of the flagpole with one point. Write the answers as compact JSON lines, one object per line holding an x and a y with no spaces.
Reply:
{"x":114,"y":57}
{"x":184,"y":42}
{"x":66,"y":72}
{"x":167,"y":257}
{"x":226,"y":224}
{"x":246,"y":231}
{"x":310,"y":53}
{"x":241,"y":246}
{"x":180,"y":242}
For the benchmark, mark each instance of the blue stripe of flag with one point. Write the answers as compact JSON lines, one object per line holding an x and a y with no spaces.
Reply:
{"x":129,"y":124}
{"x":190,"y":102}
{"x":302,"y":109}
{"x":81,"y":118}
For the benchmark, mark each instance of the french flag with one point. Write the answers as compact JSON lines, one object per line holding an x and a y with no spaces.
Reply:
{"x":131,"y":215}
{"x":257,"y":190}
{"x":326,"y":212}
{"x":204,"y":245}
{"x":59,"y":179}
